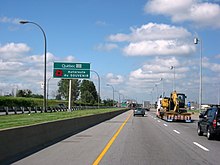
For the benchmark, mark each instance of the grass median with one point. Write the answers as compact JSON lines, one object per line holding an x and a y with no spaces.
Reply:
{"x":12,"y":121}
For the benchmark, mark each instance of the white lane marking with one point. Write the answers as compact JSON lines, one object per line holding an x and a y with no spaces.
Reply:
{"x":200,"y":146}
{"x":155,"y":118}
{"x":158,"y":121}
{"x":176,"y":131}
{"x":165,"y":125}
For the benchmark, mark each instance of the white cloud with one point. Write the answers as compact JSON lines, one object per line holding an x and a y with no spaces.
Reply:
{"x":215,"y":67}
{"x":7,"y":66}
{"x":69,"y":58}
{"x":101,"y":23}
{"x":106,"y":47}
{"x":155,"y":39}
{"x":9,"y":20}
{"x":114,"y":79}
{"x":158,"y":47}
{"x":12,"y":50}
{"x":200,"y":13}
{"x":19,"y":68}
{"x":152,"y":72}
{"x":151,"y":31}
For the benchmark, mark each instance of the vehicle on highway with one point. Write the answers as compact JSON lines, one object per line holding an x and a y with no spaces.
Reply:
{"x":209,"y":122}
{"x":146,"y":109}
{"x":139,"y":111}
{"x":173,"y":108}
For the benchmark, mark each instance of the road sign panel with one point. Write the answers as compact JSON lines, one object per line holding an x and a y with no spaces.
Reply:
{"x":67,"y":70}
{"x":68,"y":65}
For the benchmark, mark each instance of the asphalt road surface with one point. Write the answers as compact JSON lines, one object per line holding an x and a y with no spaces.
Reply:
{"x":128,"y":140}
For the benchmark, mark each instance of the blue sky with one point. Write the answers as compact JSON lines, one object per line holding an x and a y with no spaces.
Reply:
{"x":130,"y":43}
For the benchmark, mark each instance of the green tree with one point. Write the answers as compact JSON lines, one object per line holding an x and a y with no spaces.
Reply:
{"x":108,"y":102}
{"x":63,"y":90}
{"x":24,"y":93}
{"x":37,"y":96}
{"x":88,"y":92}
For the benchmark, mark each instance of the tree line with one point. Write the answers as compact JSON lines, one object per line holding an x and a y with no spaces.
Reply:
{"x":83,"y":91}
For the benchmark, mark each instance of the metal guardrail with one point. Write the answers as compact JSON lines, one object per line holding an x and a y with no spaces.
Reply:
{"x":4,"y":110}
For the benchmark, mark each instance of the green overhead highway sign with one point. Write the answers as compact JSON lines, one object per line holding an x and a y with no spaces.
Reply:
{"x":67,"y":70}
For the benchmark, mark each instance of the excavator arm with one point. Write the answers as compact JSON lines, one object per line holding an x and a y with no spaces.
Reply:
{"x":175,"y":101}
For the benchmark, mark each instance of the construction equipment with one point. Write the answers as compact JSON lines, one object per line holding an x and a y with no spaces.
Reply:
{"x":173,"y":108}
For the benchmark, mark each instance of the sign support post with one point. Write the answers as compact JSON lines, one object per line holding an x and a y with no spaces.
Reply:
{"x":68,"y":70}
{"x":70,"y":96}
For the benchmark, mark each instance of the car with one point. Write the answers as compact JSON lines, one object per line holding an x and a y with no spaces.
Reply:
{"x":209,"y":122}
{"x":146,"y":109}
{"x":139,"y":111}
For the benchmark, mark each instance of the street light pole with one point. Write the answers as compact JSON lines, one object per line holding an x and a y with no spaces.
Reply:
{"x":156,"y":91}
{"x":173,"y":67}
{"x":48,"y":86}
{"x":162,"y":87}
{"x":196,"y":41}
{"x":45,"y":60}
{"x":113,"y":93}
{"x":99,"y":94}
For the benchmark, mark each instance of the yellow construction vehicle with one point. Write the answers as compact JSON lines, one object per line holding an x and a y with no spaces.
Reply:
{"x":173,"y":108}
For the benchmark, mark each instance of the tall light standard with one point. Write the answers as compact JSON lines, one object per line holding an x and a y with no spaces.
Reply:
{"x":113,"y":93}
{"x":119,"y":98}
{"x":48,"y":86}
{"x":99,"y":94}
{"x":156,"y":91}
{"x":45,"y":60}
{"x":162,"y":87}
{"x":196,"y":41}
{"x":173,"y":68}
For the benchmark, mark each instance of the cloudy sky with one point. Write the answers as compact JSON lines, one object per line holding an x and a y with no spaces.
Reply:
{"x":132,"y":44}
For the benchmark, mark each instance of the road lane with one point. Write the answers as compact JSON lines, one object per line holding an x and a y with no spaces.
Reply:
{"x":81,"y":149}
{"x":147,"y":141}
{"x":189,"y":131}
{"x":143,"y":140}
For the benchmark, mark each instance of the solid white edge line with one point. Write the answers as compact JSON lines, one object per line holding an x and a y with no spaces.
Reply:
{"x":176,"y":131}
{"x":200,"y":146}
{"x":165,"y":125}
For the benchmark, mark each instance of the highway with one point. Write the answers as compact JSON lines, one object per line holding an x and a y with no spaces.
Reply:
{"x":128,"y":140}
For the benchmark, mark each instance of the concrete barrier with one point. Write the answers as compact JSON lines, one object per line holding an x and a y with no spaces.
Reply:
{"x":19,"y":142}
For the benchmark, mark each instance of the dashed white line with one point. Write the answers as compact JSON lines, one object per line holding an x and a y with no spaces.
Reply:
{"x":200,"y":146}
{"x":176,"y":131}
{"x":155,"y":118}
{"x":165,"y":125}
{"x":158,"y":121}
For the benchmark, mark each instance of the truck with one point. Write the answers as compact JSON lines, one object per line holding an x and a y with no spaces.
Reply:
{"x":173,"y":108}
{"x":146,"y":105}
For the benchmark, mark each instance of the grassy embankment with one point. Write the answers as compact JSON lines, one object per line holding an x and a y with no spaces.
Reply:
{"x":11,"y":121}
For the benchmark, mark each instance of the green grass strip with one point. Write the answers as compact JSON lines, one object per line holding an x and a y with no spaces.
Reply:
{"x":12,"y":121}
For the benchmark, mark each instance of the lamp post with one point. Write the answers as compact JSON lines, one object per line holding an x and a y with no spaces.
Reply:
{"x":197,"y":41}
{"x":99,"y":94}
{"x":119,"y":98}
{"x":173,"y":68}
{"x":113,"y":93}
{"x":45,"y":60}
{"x":162,"y":86}
{"x":156,"y":91}
{"x":48,"y":86}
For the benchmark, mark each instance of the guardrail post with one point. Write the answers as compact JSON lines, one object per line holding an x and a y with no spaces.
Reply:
{"x":6,"y":110}
{"x":22,"y":110}
{"x":29,"y":109}
{"x":14,"y":109}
